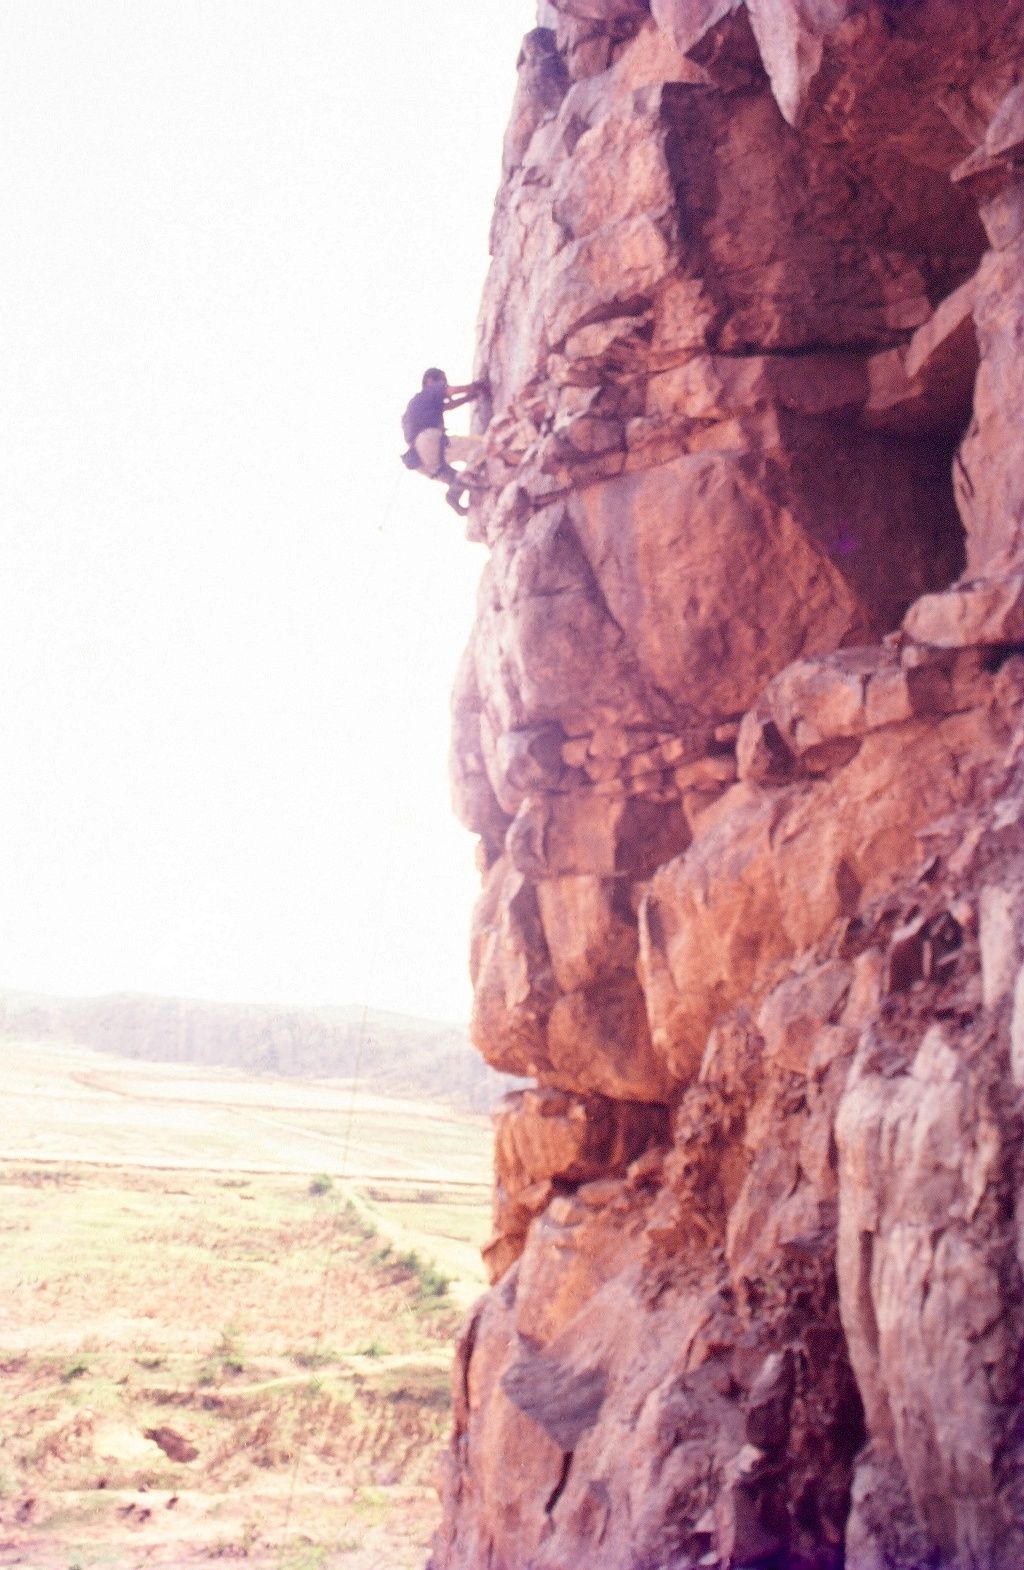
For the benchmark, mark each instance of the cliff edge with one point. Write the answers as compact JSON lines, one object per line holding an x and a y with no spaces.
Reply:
{"x":740,"y":730}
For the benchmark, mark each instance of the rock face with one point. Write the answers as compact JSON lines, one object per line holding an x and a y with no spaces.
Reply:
{"x":740,"y":730}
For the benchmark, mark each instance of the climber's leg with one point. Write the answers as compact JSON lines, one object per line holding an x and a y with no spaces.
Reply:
{"x":470,"y":451}
{"x":453,"y":496}
{"x":465,"y":449}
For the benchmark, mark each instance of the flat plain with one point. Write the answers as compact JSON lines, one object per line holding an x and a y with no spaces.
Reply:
{"x":227,"y":1309}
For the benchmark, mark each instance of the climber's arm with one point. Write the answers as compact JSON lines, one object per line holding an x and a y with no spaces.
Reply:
{"x":457,"y":396}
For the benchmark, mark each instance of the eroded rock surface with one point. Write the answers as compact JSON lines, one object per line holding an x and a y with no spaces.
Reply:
{"x":740,"y":730}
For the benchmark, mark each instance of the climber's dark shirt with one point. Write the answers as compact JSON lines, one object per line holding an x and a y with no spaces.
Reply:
{"x":424,"y":411}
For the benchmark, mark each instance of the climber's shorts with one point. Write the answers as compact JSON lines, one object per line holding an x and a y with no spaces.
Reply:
{"x":429,"y":446}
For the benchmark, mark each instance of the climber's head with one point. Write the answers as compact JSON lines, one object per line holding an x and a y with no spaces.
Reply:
{"x":432,"y":377}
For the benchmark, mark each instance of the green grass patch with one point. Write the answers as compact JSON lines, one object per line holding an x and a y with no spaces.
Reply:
{"x":429,"y":1279}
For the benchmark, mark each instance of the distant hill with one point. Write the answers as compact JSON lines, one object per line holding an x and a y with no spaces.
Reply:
{"x":393,"y":1054}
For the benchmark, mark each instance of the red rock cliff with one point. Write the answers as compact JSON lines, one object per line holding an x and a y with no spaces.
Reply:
{"x":740,"y":731}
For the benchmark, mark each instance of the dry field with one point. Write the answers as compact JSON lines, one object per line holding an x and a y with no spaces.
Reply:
{"x":227,"y":1307}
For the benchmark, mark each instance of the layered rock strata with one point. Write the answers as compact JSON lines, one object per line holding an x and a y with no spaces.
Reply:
{"x":740,"y":731}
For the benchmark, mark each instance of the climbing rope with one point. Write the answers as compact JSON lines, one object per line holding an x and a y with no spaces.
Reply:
{"x":354,"y":1088}
{"x":325,"y":1281}
{"x":390,"y":506}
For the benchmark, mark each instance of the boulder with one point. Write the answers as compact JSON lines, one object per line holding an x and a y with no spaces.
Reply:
{"x":589,"y":934}
{"x":599,"y":1041}
{"x":921,"y":1261}
{"x":771,"y":872}
{"x":710,"y":533}
{"x":514,"y":990}
{"x":547,"y":1142}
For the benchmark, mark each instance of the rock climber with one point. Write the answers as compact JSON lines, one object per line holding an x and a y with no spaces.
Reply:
{"x":430,"y":448}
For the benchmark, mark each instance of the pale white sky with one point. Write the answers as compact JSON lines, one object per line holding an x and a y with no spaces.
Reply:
{"x":232,"y":234}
